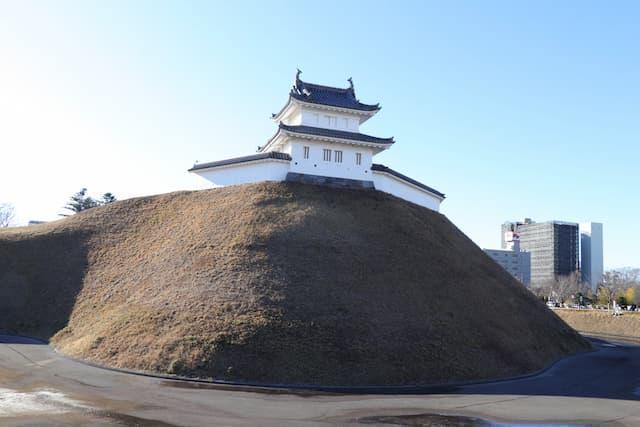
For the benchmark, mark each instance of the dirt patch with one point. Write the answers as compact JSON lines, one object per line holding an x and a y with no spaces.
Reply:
{"x":276,"y":283}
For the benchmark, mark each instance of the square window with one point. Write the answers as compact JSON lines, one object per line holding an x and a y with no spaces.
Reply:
{"x":326,"y":154}
{"x":338,"y":156}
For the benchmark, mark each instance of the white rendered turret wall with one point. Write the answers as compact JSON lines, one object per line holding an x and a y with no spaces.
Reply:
{"x":246,"y":173}
{"x":330,"y":120}
{"x":322,"y":119}
{"x":329,"y":159}
{"x":399,"y":188}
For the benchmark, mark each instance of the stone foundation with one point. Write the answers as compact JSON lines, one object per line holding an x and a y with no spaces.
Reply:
{"x":329,"y":181}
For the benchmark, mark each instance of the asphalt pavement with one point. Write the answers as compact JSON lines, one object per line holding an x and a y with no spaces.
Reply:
{"x":40,"y":387}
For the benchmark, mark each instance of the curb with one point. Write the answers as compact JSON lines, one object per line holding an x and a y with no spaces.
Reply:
{"x":437,"y":388}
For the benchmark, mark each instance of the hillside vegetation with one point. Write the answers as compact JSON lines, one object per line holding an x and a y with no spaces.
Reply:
{"x":275,"y":283}
{"x":603,"y":322}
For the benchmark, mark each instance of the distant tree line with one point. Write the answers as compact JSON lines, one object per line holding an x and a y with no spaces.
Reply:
{"x":81,"y":201}
{"x":619,"y":286}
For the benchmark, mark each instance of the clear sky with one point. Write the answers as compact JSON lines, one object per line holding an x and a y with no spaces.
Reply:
{"x":512,"y":109}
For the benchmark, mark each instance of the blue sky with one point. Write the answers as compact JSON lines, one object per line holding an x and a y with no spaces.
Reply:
{"x":512,"y":109}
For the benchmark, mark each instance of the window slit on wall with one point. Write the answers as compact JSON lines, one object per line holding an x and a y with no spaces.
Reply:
{"x":326,"y":154}
{"x":358,"y":159}
{"x":306,"y":152}
{"x":337,"y":156}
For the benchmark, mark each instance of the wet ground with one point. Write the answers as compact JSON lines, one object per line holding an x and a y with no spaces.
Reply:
{"x":39,"y":387}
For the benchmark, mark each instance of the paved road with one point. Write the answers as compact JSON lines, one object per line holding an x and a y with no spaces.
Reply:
{"x":39,"y":387}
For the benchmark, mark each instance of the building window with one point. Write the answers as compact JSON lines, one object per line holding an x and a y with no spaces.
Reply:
{"x":358,"y":159}
{"x":337,"y":155}
{"x":326,"y":154}
{"x":306,"y":152}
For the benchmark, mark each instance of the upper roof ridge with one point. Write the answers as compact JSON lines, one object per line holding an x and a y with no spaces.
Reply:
{"x":329,"y":95}
{"x":299,"y":85}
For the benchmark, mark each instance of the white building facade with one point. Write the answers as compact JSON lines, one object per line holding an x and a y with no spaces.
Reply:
{"x":591,"y":253}
{"x":515,"y":261}
{"x":318,"y":141}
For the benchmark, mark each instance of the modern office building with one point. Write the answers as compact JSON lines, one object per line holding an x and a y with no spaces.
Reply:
{"x":591,"y":253}
{"x":512,"y":259}
{"x":553,"y":245}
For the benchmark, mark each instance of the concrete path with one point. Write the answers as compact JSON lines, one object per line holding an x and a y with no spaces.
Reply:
{"x":39,"y":387}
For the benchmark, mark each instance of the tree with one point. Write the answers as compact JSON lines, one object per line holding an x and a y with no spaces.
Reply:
{"x":107,"y":198}
{"x":541,"y":292}
{"x":6,"y":214}
{"x":612,"y":283}
{"x":621,"y":301}
{"x":564,"y":287}
{"x":605,"y":295}
{"x":630,"y":295}
{"x":80,"y":202}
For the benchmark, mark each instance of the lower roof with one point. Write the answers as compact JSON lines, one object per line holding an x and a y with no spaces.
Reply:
{"x":331,"y":133}
{"x":260,"y":156}
{"x":382,"y":168}
{"x":334,"y":133}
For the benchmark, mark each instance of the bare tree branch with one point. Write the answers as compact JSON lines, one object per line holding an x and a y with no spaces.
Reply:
{"x":6,"y":215}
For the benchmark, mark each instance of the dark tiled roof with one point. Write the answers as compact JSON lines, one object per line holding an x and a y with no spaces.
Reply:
{"x":268,"y":155}
{"x":383,"y":168}
{"x":332,"y":133}
{"x":326,"y":95}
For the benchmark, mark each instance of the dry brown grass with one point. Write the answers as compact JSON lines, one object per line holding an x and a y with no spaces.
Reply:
{"x":275,"y":282}
{"x":603,"y":322}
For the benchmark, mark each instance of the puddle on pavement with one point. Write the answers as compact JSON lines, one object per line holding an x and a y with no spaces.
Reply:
{"x":435,"y":420}
{"x":14,"y":403}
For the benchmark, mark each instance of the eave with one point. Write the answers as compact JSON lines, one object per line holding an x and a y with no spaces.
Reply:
{"x":293,"y":102}
{"x":286,"y":134}
{"x":271,"y":156}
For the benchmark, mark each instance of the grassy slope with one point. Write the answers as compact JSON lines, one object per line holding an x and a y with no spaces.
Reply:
{"x":275,"y":283}
{"x":602,"y":322}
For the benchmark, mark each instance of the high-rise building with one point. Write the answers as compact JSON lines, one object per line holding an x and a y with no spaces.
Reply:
{"x":512,"y":259}
{"x":591,"y":253}
{"x":553,"y":247}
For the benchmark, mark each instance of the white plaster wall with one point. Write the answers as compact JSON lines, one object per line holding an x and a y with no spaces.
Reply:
{"x":329,"y":120}
{"x":245,"y":173}
{"x":294,"y":119}
{"x":315,"y":165}
{"x":389,"y":184}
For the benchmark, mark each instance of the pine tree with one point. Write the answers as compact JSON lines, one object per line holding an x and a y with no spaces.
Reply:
{"x":80,"y":202}
{"x":107,"y":198}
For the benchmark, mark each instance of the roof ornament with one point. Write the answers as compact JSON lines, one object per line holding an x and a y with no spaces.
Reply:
{"x":297,"y":84}
{"x":350,"y":80}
